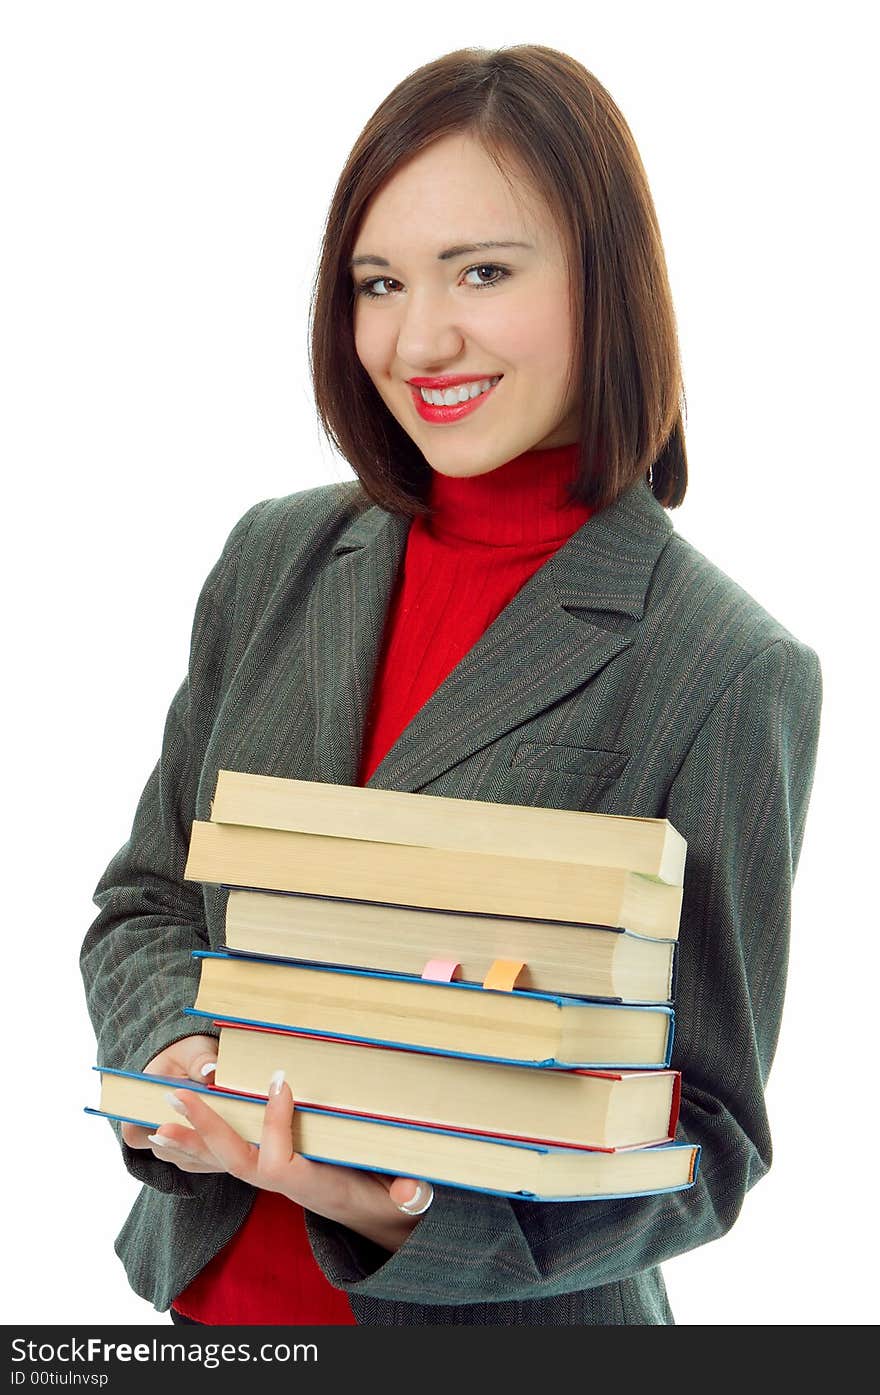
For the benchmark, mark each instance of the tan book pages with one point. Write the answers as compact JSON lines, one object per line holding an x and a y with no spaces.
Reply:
{"x":450,"y":1159}
{"x":585,"y":961}
{"x":651,"y":847}
{"x":567,"y":1107}
{"x":403,"y":875}
{"x":439,"y":1017}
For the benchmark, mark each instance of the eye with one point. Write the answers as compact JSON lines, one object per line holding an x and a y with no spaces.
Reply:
{"x":501,"y":271}
{"x":366,"y":288}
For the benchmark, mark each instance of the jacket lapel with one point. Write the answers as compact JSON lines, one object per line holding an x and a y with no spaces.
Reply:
{"x":563,"y":625}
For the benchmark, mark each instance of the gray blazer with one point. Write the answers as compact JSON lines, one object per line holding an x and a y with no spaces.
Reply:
{"x":627,"y":641}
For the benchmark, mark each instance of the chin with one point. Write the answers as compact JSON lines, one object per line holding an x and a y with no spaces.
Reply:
{"x":486,"y":450}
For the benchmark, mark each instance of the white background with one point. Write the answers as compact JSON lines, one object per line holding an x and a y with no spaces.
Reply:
{"x":166,"y":169}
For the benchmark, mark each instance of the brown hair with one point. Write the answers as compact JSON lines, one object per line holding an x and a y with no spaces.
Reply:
{"x":538,"y":111}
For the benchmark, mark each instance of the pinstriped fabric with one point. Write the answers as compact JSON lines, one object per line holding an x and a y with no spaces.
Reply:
{"x":613,"y":1305}
{"x":627,"y":640}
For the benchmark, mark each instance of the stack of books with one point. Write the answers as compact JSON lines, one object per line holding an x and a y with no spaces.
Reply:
{"x":476,"y":994}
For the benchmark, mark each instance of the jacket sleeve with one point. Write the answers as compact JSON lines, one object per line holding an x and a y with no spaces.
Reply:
{"x":136,"y":959}
{"x":740,"y":799}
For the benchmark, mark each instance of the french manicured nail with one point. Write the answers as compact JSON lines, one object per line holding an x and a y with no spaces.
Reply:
{"x":419,"y":1204}
{"x":166,"y":1142}
{"x":175,"y":1102}
{"x":276,"y":1082}
{"x":208,"y":1068}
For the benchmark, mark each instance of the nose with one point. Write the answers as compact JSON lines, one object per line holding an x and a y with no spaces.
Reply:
{"x":428,"y":337}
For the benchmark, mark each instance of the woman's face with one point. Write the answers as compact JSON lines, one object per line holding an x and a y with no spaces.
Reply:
{"x":444,"y":308}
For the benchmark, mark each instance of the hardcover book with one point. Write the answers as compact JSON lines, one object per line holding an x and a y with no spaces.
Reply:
{"x":651,"y":847}
{"x":581,"y":961}
{"x":575,"y":1108}
{"x":453,"y":1018}
{"x":432,"y":878}
{"x":503,"y":1167}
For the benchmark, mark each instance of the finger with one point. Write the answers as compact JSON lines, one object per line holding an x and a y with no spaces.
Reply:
{"x":185,"y":1137}
{"x":276,"y":1138}
{"x":202,"y":1067}
{"x":184,"y":1141}
{"x":220,"y":1140}
{"x":188,"y":1160}
{"x":139,"y":1135}
{"x":135,"y":1135}
{"x":323,"y":1187}
{"x":411,"y":1196}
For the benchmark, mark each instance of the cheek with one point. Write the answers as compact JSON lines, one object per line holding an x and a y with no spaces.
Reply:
{"x":551,"y":331}
{"x":539,"y":339}
{"x":370,"y":342}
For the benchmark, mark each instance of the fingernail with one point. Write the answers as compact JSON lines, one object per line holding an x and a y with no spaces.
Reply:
{"x":276,"y":1082}
{"x":414,"y":1200}
{"x":208,"y":1067}
{"x":419,"y":1204}
{"x":175,"y":1102}
{"x":166,"y":1142}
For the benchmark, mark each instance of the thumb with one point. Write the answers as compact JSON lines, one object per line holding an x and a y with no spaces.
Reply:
{"x":404,"y":1191}
{"x":200,"y":1058}
{"x":201,"y":1066}
{"x":189,"y":1057}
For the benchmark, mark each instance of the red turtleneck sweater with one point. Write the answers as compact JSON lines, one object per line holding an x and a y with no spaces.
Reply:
{"x":463,"y":564}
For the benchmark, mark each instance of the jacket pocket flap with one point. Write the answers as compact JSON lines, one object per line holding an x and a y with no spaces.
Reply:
{"x":570,"y":760}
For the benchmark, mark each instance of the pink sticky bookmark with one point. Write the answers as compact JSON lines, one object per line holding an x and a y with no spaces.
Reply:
{"x":503,"y":974}
{"x":440,"y":970}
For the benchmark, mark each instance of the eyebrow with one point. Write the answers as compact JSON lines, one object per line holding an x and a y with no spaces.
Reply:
{"x":459,"y":251}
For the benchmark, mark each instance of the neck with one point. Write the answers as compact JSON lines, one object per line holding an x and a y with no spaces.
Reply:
{"x":525,"y":500}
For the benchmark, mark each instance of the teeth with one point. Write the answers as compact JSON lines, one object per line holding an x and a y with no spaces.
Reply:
{"x":450,"y":397}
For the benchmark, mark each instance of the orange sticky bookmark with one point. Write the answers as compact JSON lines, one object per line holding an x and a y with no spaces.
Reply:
{"x":503,"y":974}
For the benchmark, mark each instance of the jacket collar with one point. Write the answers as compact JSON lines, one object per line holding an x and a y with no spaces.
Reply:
{"x":550,"y":639}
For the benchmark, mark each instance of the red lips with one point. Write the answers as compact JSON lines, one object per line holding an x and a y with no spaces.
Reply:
{"x":428,"y":412}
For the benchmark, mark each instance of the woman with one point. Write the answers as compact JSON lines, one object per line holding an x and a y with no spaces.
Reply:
{"x":503,"y":571}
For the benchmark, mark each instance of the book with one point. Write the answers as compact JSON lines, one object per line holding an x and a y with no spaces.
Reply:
{"x":452,"y":1018}
{"x":576,"y":1108}
{"x":278,"y":860}
{"x":579,"y":960}
{"x":351,"y":911}
{"x":651,"y":847}
{"x":504,"y":1167}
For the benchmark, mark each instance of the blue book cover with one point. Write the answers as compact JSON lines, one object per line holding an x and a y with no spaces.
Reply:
{"x":548,"y":1173}
{"x":505,"y":999}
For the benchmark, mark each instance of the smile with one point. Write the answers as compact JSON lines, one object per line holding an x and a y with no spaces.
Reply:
{"x":450,"y":404}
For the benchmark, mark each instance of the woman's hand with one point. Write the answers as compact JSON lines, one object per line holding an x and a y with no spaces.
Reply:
{"x":366,"y":1202}
{"x":193,"y":1058}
